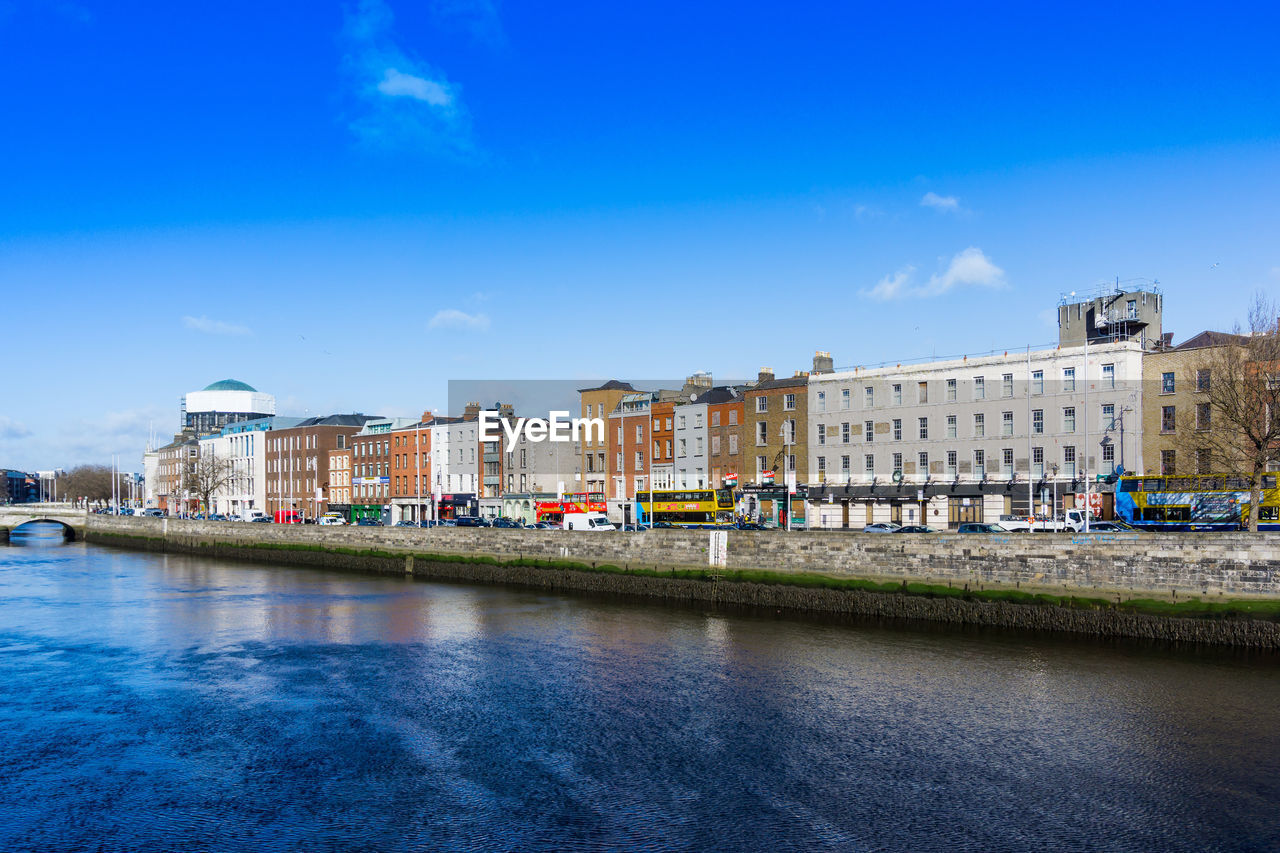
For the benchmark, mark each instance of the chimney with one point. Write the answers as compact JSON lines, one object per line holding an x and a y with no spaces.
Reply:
{"x":766,"y":375}
{"x":427,"y":418}
{"x":506,"y":411}
{"x":471,"y":411}
{"x":822,"y":362}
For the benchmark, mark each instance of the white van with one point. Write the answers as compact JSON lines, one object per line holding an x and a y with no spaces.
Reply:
{"x":254,"y":515}
{"x":587,"y":521}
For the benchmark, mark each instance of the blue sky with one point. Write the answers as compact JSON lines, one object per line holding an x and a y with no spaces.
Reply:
{"x":348,"y":205}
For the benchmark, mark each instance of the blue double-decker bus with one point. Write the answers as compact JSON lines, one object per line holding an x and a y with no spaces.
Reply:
{"x":1196,"y":502}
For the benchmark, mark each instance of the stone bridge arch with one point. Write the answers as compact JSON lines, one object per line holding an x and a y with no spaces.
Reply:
{"x":13,"y":517}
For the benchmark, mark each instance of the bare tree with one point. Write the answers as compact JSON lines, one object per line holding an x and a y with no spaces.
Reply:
{"x":207,"y":476}
{"x":1237,"y":425}
{"x":91,"y":483}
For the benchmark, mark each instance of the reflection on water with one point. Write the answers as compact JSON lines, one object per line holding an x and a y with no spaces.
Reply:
{"x":151,"y":699}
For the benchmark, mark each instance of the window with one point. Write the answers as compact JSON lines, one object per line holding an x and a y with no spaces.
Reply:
{"x":1037,"y":382}
{"x":951,"y":426}
{"x":697,"y":420}
{"x":1202,"y":415}
{"x":869,"y":431}
{"x":1037,"y":421}
{"x":1168,"y":461}
{"x":1069,"y":462}
{"x":844,"y":433}
{"x":791,"y":462}
{"x":869,"y":464}
{"x":715,"y":444}
{"x":844,"y":466}
{"x":897,"y":464}
{"x":760,"y":469}
{"x":1006,"y":423}
{"x":1166,"y":383}
{"x":1109,"y":453}
{"x":844,"y":398}
{"x":822,"y":469}
{"x":924,"y":427}
{"x":733,"y":445}
{"x":1006,"y":385}
{"x":923,"y":395}
{"x":683,"y":446}
{"x":1108,"y":376}
{"x":790,"y":427}
{"x":869,"y":396}
{"x":619,"y":433}
{"x":897,"y":394}
{"x":1037,"y":462}
{"x":639,"y":459}
{"x":979,"y":464}
{"x":1069,"y":419}
{"x":951,"y":390}
{"x":897,"y":429}
{"x":822,"y":434}
{"x":1068,"y":379}
{"x":762,"y":404}
{"x":1109,"y":416}
{"x":1168,"y":421}
{"x":639,"y":432}
{"x":1007,"y":463}
{"x":1203,"y":461}
{"x":715,"y":418}
{"x":979,"y":387}
{"x":762,"y":433}
{"x":697,"y":446}
{"x":951,"y":464}
{"x":923,"y":459}
{"x":822,"y":401}
{"x":617,"y":462}
{"x":1202,"y":381}
{"x":979,"y":425}
{"x":789,"y":402}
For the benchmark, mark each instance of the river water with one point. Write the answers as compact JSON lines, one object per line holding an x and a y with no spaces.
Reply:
{"x":162,"y":702}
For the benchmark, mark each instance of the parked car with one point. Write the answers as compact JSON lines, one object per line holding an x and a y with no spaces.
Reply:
{"x":368,"y":522}
{"x":750,"y":525}
{"x":331,"y":520}
{"x":261,"y":519}
{"x":883,"y":527}
{"x":979,"y":527}
{"x":1114,"y":526}
{"x":916,"y":528}
{"x":542,"y":525}
{"x":470,"y":521}
{"x":153,"y":513}
{"x":506,"y":523}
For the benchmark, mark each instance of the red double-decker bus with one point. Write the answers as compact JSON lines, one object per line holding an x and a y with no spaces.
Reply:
{"x":554,"y":511}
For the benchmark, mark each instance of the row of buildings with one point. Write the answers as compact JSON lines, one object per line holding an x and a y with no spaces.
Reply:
{"x":938,"y":442}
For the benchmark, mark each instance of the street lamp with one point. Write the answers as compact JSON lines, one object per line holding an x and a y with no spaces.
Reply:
{"x":786,"y":475}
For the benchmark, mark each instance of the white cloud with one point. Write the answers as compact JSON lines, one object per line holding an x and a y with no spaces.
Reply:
{"x":400,"y":100}
{"x":9,"y":428}
{"x":214,"y":327}
{"x":396,"y":83}
{"x":452,"y":318}
{"x":941,"y":203}
{"x":970,"y":268}
{"x":891,"y":286}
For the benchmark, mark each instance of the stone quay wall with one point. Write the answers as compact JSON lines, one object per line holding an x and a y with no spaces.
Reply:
{"x":1211,"y":564}
{"x":1242,"y":566}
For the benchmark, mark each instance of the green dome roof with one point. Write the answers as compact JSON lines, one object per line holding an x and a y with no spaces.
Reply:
{"x":230,"y":385}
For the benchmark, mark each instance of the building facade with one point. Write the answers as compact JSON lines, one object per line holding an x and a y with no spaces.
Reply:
{"x":297,"y":463}
{"x":970,"y":439}
{"x":209,"y":410}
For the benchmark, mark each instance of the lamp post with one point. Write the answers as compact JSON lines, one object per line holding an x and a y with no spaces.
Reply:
{"x":786,"y":475}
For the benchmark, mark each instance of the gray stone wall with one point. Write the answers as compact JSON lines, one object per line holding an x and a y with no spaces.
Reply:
{"x":1229,"y":564}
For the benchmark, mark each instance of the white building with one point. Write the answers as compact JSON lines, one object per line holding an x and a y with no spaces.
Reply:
{"x":968,"y":439}
{"x":243,"y":444}
{"x":224,"y":402}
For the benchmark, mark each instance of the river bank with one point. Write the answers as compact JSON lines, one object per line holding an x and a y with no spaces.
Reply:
{"x":677,"y":570}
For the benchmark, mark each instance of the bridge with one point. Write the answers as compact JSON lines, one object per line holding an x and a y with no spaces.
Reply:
{"x":71,"y":518}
